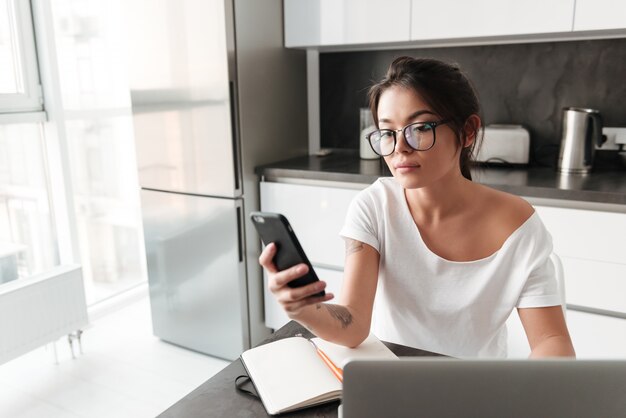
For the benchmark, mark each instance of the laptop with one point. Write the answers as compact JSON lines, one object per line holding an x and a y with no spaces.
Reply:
{"x":418,"y":387}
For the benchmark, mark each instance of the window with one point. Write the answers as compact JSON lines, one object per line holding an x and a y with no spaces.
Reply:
{"x":28,"y":242}
{"x":27,"y":238}
{"x":99,"y":136}
{"x":19,"y":79}
{"x":69,"y":189}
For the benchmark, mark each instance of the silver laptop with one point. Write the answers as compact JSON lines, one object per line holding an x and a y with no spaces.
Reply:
{"x":416,"y":387}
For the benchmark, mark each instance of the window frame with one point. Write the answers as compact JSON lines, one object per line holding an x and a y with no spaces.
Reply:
{"x":31,"y":100}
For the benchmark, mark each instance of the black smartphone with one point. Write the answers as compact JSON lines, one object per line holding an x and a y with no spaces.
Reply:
{"x":274,"y":227}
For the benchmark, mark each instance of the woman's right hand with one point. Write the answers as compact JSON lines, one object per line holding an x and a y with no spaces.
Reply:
{"x":293,"y":300}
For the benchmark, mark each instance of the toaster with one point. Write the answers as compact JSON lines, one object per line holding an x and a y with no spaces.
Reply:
{"x":504,"y":144}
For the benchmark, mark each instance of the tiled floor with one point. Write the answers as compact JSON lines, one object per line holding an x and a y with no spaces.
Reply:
{"x":124,"y":372}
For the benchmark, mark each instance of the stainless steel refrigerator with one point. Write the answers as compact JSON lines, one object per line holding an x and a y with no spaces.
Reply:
{"x":214,"y":94}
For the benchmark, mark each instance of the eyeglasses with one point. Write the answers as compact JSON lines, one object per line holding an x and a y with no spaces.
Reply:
{"x":420,"y":136}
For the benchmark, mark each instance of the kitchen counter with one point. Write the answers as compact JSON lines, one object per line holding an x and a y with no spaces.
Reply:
{"x":598,"y":187}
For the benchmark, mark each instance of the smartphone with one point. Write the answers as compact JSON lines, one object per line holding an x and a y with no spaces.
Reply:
{"x":274,"y":227}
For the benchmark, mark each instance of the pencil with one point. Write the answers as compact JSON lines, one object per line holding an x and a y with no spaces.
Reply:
{"x":338,"y":372}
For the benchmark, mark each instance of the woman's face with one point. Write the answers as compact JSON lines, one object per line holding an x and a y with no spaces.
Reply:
{"x":398,"y":107}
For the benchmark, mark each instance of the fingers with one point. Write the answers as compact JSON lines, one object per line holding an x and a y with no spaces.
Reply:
{"x":277,"y":278}
{"x":281,"y":278}
{"x":294,"y":300}
{"x":291,"y":299}
{"x":295,"y":307}
{"x":266,"y":257}
{"x":289,"y":295}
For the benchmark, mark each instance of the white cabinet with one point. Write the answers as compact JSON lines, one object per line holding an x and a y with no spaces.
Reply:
{"x":312,"y":23}
{"x":592,"y":247}
{"x":597,"y":336}
{"x":316,"y":215}
{"x":586,"y":234}
{"x":344,"y":22}
{"x":446,"y":19}
{"x":593,"y":336}
{"x":600,"y":14}
{"x":595,"y":284}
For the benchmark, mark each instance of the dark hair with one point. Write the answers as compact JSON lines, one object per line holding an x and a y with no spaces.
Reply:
{"x":444,"y":88}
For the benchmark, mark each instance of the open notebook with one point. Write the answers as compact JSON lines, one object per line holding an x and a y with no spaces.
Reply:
{"x":291,"y":373}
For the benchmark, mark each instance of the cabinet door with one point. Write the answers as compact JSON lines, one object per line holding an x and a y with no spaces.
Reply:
{"x":316,"y":214}
{"x":275,"y":316}
{"x":600,"y":14}
{"x":597,"y":336}
{"x":595,"y":284}
{"x":340,"y":22}
{"x":463,"y":19}
{"x":593,"y":336}
{"x":591,"y":245}
{"x":586,"y":234}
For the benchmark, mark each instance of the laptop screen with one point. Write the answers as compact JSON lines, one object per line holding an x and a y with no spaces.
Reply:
{"x":415,"y":387}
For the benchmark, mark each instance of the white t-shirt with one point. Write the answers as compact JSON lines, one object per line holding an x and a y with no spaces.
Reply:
{"x":449,"y":307}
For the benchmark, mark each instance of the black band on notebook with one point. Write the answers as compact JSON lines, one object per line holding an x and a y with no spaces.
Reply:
{"x":239,"y":385}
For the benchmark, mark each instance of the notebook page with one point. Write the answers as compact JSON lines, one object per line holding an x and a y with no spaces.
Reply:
{"x":288,"y":372}
{"x":371,"y":348}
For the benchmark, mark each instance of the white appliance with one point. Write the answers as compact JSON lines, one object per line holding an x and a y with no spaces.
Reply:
{"x":504,"y":144}
{"x":214,"y":95}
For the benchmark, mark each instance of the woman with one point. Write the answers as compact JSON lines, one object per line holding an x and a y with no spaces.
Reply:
{"x":433,"y":260}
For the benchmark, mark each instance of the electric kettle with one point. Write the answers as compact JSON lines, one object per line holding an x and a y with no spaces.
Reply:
{"x":580,"y":133}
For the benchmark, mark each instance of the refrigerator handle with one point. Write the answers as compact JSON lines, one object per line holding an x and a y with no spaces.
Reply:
{"x":234,"y":124}
{"x":239,"y":235}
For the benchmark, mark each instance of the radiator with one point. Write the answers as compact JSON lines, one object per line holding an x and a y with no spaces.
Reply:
{"x":40,"y":309}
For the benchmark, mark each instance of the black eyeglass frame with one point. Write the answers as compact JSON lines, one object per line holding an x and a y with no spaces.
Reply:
{"x":394,"y":132}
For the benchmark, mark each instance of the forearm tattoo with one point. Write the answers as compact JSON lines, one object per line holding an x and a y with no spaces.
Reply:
{"x":340,"y":313}
{"x":353,"y":246}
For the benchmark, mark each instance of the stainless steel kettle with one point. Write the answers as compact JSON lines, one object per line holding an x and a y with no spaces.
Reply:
{"x":580,"y":133}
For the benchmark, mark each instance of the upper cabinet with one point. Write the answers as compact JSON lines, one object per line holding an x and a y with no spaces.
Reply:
{"x":346,"y":22}
{"x":600,"y":14}
{"x":354,"y":24}
{"x":444,"y":19}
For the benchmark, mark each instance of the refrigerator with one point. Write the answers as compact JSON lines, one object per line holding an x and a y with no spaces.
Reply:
{"x":214,"y":94}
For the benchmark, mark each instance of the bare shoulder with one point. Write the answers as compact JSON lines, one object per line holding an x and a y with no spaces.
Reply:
{"x":508,"y":210}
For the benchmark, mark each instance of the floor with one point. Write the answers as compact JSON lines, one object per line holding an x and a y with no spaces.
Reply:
{"x":124,"y":371}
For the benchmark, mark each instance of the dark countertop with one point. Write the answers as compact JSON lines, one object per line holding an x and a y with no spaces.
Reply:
{"x":600,"y":186}
{"x":217,"y":397}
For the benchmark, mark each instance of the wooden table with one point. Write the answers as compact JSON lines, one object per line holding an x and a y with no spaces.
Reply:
{"x":217,"y":397}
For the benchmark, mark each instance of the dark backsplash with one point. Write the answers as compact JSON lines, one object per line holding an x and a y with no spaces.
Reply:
{"x":525,"y":84}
